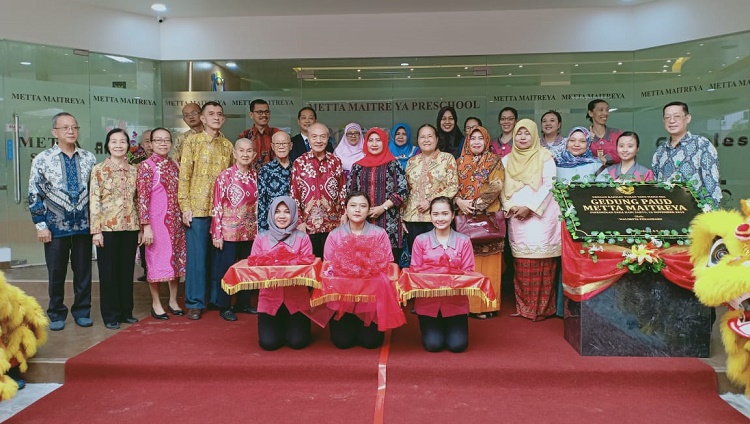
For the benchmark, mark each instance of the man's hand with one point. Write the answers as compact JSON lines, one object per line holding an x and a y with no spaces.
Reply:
{"x":45,"y":236}
{"x":187,"y":218}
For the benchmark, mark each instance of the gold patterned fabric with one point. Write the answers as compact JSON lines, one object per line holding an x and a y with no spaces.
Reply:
{"x":113,"y":202}
{"x":203,"y":158}
{"x":428,"y":177}
{"x":176,"y":152}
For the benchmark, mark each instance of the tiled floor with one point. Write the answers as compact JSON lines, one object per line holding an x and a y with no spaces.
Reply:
{"x":24,"y":398}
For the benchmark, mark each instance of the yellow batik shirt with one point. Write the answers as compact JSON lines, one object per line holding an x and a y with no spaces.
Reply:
{"x":203,"y":158}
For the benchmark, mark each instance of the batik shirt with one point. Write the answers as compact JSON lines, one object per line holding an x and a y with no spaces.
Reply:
{"x":693,"y":159}
{"x":318,"y":186}
{"x":235,"y":200}
{"x":176,"y":152}
{"x":427,"y":178}
{"x":262,"y":144}
{"x":203,"y":158}
{"x":113,"y":204}
{"x":59,"y":191}
{"x":273,"y":181}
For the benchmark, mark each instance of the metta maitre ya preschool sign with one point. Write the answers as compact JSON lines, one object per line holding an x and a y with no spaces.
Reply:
{"x":634,"y":207}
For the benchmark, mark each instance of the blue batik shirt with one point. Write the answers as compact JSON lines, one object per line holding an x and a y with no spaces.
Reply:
{"x":273,"y":181}
{"x":693,"y":159}
{"x":59,"y":191}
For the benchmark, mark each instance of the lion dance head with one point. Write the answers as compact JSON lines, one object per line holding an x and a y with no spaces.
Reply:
{"x":720,"y":252}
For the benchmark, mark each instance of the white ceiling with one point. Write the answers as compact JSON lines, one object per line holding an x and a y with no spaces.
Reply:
{"x":229,"y":8}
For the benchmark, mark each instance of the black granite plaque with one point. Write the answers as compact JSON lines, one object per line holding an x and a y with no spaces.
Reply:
{"x":640,"y":315}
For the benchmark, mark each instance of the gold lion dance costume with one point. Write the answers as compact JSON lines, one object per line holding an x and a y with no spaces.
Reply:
{"x":23,"y":328}
{"x":720,"y":251}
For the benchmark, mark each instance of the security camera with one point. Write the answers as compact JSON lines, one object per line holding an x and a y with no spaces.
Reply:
{"x":160,"y":19}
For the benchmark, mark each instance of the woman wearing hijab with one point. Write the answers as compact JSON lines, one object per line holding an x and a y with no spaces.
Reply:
{"x":350,"y":147}
{"x":450,"y":138}
{"x":400,"y":145}
{"x":480,"y":181}
{"x":577,"y":158}
{"x":282,"y":318}
{"x":381,"y":177}
{"x":534,"y":230}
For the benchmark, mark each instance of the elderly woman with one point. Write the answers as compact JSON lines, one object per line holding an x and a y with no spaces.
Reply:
{"x":115,"y":228}
{"x":380,"y":176}
{"x":603,"y":138}
{"x":161,"y":221}
{"x":576,"y":159}
{"x":534,"y":229}
{"x":400,"y":145}
{"x":429,"y":174}
{"x":480,"y":181}
{"x":350,"y":147}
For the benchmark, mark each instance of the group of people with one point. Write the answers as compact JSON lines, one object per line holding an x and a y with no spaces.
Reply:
{"x":199,"y":203}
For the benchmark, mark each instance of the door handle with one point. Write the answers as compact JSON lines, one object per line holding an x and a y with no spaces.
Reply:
{"x":17,"y":158}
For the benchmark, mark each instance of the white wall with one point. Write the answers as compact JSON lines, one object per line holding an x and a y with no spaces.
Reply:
{"x":412,"y":34}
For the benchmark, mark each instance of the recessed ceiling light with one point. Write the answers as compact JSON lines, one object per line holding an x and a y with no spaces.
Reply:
{"x":615,"y":71}
{"x":458,"y":75}
{"x":619,"y":63}
{"x":359,"y":77}
{"x":510,"y":74}
{"x":664,"y":70}
{"x":665,"y":66}
{"x":466,"y":67}
{"x":231,"y":65}
{"x":562,"y":72}
{"x":158,"y":7}
{"x":411,"y":69}
{"x":669,"y":60}
{"x":687,"y":53}
{"x":359,"y":70}
{"x":25,"y":63}
{"x":576,"y":64}
{"x":701,"y":44}
{"x":404,"y":64}
{"x":736,"y":57}
{"x":408,"y":76}
{"x":520,"y":66}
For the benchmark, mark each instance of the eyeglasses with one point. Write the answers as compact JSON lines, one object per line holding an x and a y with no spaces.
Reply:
{"x":190,"y":115}
{"x":67,"y":128}
{"x":262,"y":112}
{"x":469,"y":128}
{"x":668,"y":118}
{"x":161,"y":140}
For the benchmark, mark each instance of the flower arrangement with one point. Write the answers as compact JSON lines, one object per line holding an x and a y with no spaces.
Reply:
{"x":643,"y":257}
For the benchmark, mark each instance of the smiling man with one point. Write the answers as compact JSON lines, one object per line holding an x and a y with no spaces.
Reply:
{"x":59,"y":206}
{"x":233,"y":227}
{"x":260,"y":132}
{"x":690,"y":157}
{"x":204,"y":156}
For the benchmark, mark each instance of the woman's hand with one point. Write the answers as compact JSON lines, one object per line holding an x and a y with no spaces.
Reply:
{"x":376,"y":211}
{"x":423,"y":206}
{"x":148,"y":235}
{"x":466,"y":206}
{"x":98,"y":240}
{"x":519,"y":212}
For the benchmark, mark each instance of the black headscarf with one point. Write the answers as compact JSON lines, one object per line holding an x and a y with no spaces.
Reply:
{"x":453,"y":141}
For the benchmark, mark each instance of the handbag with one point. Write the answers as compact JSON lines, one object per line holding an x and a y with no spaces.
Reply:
{"x":405,"y":260}
{"x":482,"y":228}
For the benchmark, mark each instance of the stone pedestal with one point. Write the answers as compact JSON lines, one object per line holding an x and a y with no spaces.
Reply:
{"x":640,"y":315}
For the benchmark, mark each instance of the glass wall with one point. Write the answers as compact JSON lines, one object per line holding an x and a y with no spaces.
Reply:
{"x":101,"y":91}
{"x":106,"y":91}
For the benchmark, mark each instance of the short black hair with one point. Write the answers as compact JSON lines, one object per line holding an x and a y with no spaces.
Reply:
{"x":211,"y":103}
{"x":109,"y":136}
{"x":592,"y":106}
{"x":354,"y":194}
{"x":506,"y":109}
{"x":554,"y":112}
{"x":257,"y":102}
{"x":474,"y":118}
{"x":441,"y":199}
{"x":677,"y":103}
{"x":315,"y":115}
{"x":630,"y":134}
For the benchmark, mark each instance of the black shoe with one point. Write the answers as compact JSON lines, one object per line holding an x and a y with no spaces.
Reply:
{"x":159,"y":316}
{"x":130,"y":320}
{"x":112,"y":325}
{"x":228,"y":315}
{"x":176,"y":312}
{"x":142,"y":277}
{"x":247,"y":310}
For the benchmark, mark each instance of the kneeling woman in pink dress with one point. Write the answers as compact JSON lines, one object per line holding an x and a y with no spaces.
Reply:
{"x":443,"y":321}
{"x":282,"y":319}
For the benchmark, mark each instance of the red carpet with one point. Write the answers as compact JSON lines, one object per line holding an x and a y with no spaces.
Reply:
{"x":514,"y":371}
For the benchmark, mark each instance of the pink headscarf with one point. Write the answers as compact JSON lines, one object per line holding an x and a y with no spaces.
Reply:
{"x":348,"y":153}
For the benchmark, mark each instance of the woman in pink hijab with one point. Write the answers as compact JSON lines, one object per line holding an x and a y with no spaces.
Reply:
{"x":350,"y":147}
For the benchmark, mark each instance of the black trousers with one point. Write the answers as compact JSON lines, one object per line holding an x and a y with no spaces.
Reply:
{"x":231,"y":253}
{"x":275,"y":331}
{"x":318,"y":243}
{"x":440,"y":333}
{"x":57,"y":253}
{"x":350,"y":331}
{"x":414,"y":229}
{"x":116,"y":262}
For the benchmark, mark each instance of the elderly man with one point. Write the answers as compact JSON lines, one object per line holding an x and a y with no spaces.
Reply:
{"x":274,"y":179}
{"x":204,"y":156}
{"x":59,"y":206}
{"x":191,"y":115}
{"x":319,"y":188}
{"x":260,"y":132}
{"x":687,"y":156}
